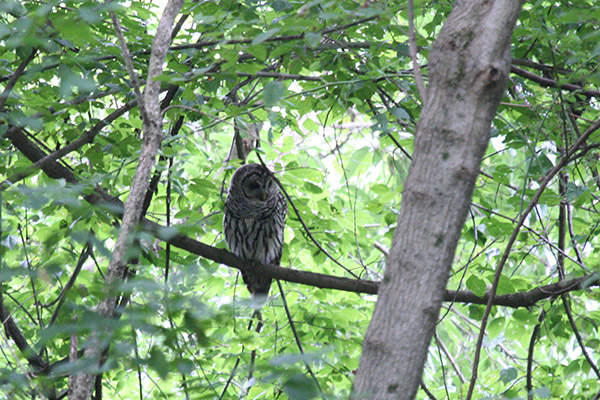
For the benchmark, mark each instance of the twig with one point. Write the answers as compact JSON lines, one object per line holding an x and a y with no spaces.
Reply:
{"x":129,"y":64}
{"x":280,"y":75}
{"x":86,"y":138}
{"x":534,"y":335}
{"x":255,"y":315}
{"x":443,"y":369}
{"x":427,"y":392}
{"x":306,"y":229}
{"x":547,"y":82}
{"x":283,"y":38}
{"x":13,"y":331}
{"x":61,"y":297}
{"x":297,"y":338}
{"x":231,"y":375}
{"x":446,"y":352}
{"x":578,"y":336}
{"x":533,"y":231}
{"x":540,"y":67}
{"x":15,"y":77}
{"x":513,"y":237}
{"x":412,"y":46}
{"x":36,"y":301}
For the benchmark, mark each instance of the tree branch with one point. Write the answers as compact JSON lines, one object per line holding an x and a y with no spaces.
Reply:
{"x":546,"y":82}
{"x":17,"y":336}
{"x":529,"y":298}
{"x":170,"y":235}
{"x":15,"y":77}
{"x":129,"y":64}
{"x":540,"y":67}
{"x":87,"y":137}
{"x":412,"y":46}
{"x":279,"y":75}
{"x":284,"y":38}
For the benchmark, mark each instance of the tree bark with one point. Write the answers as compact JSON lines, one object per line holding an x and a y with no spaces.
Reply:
{"x":469,"y":66}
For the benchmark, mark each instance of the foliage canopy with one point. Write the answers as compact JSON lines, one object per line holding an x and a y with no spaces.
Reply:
{"x":328,"y":88}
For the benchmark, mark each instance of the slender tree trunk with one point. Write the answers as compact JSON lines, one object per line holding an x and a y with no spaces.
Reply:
{"x":468,"y":70}
{"x":82,"y":385}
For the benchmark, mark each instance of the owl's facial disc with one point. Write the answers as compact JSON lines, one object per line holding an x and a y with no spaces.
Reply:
{"x":255,"y":187}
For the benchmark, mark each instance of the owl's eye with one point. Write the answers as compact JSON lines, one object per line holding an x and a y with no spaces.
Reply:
{"x":253,"y":186}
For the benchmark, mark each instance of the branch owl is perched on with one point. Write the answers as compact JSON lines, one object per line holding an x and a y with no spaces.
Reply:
{"x":255,"y":211}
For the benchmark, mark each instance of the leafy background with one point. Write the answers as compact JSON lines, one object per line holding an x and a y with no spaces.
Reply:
{"x":329,"y":88}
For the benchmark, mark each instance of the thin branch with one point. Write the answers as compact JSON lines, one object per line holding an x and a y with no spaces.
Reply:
{"x":427,"y":392}
{"x":279,"y":75}
{"x":532,"y":340}
{"x":17,"y":336}
{"x":534,"y":232}
{"x":573,"y":239}
{"x":306,"y":229}
{"x":284,"y":38}
{"x":446,"y":352}
{"x":15,"y":77}
{"x":83,"y":256}
{"x":129,"y":64}
{"x":547,"y":82}
{"x":256,"y":315}
{"x":578,"y":336}
{"x":513,"y":237}
{"x":412,"y":46}
{"x":36,"y":301}
{"x":297,"y":338}
{"x":87,"y":137}
{"x":522,"y":62}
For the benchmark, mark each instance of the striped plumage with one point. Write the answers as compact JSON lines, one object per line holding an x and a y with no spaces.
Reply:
{"x":255,"y":211}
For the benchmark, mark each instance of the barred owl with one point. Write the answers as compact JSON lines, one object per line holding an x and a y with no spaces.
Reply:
{"x":255,"y":211}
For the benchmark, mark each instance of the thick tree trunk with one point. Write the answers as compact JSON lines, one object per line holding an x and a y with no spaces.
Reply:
{"x":468,"y":69}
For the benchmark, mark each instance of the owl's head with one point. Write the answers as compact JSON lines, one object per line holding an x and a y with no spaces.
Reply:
{"x":254,"y":182}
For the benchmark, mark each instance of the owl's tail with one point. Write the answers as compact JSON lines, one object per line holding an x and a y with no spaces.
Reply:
{"x":258,"y":286}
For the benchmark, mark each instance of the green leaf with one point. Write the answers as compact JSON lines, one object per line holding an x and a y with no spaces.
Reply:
{"x":259,"y":51}
{"x":508,"y":375}
{"x":312,"y":188}
{"x":357,"y":161}
{"x":496,"y":327}
{"x":400,"y":113}
{"x":476,"y":285}
{"x":300,"y":387}
{"x":312,"y":39}
{"x":158,"y":362}
{"x":273,"y":92}
{"x":264,"y":36}
{"x":574,"y":191}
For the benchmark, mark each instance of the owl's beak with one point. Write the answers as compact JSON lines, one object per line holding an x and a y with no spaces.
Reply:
{"x":263,"y":196}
